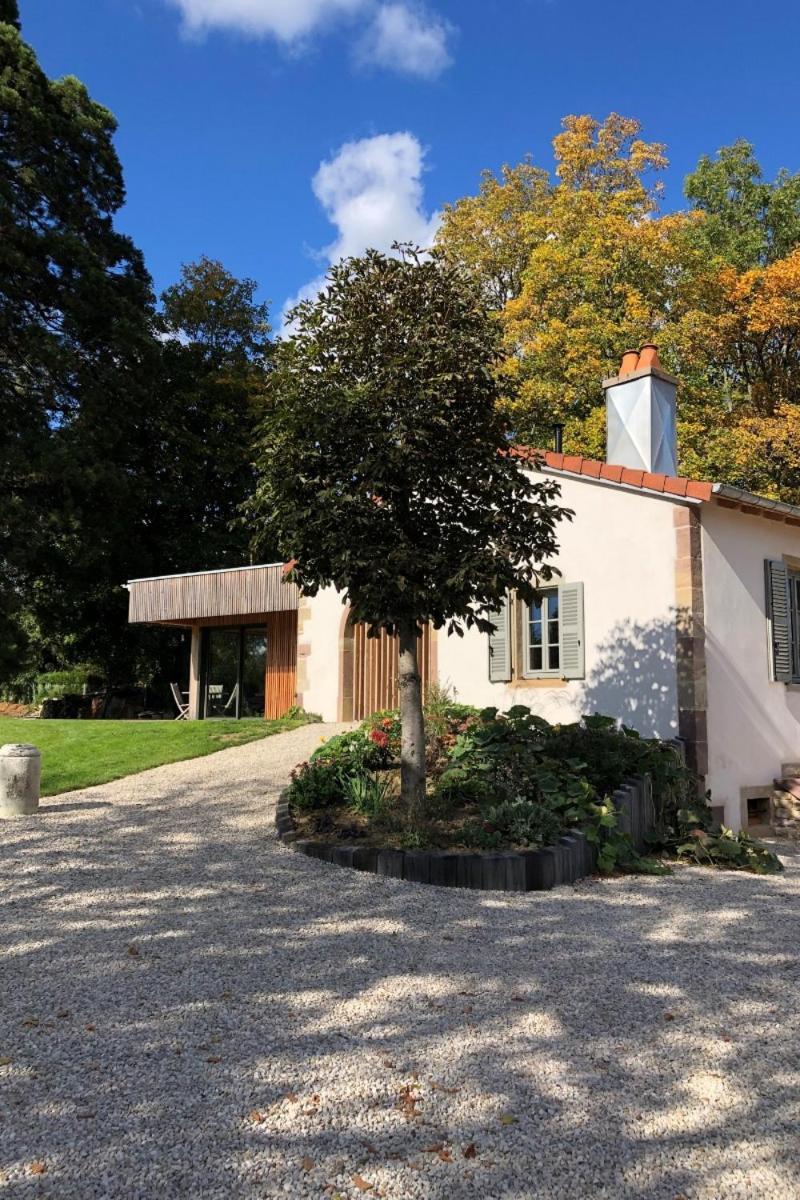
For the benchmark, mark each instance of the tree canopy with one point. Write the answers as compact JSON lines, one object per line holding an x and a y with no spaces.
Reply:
{"x":127,"y":431}
{"x":384,"y":468}
{"x":596,"y":266}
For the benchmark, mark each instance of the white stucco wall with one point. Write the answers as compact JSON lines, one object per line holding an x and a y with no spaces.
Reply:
{"x":753,"y":724}
{"x":621,"y":545}
{"x":320,"y":636}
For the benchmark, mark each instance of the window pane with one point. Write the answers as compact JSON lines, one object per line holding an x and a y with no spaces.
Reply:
{"x":543,"y":633}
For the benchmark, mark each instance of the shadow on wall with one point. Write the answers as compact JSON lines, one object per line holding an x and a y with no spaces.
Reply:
{"x":634,"y":677}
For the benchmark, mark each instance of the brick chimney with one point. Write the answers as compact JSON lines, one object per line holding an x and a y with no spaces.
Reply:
{"x":640,"y":414}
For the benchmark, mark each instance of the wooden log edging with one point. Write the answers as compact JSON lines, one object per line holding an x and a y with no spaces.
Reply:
{"x":569,"y":859}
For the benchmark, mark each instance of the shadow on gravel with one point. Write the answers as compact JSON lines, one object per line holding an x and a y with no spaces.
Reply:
{"x":191,"y":1010}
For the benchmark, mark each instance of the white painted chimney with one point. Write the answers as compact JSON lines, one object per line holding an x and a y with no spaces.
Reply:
{"x":640,"y":414}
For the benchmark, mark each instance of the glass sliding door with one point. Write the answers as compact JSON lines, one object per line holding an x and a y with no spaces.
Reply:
{"x":234,"y":672}
{"x":254,"y":672}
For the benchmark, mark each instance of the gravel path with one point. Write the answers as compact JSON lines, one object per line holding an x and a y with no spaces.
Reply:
{"x":187,"y":1009}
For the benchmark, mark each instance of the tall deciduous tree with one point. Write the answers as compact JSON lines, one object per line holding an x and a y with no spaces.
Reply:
{"x":214,"y":361}
{"x":749,"y":221}
{"x":75,"y":341}
{"x":384,"y":469}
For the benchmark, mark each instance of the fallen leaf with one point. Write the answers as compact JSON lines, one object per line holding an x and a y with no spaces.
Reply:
{"x":307,"y":1163}
{"x":470,"y":1151}
{"x":64,"y":1013}
{"x":213,"y":1058}
{"x":387,"y":1062}
{"x":31,"y":1022}
{"x":434,"y":1149}
{"x":440,"y":1087}
{"x":134,"y":951}
{"x":368,"y":1146}
{"x":445,"y":1156}
{"x":467,"y":1008}
{"x":89,"y":1028}
{"x":361,"y":1184}
{"x":507,"y":1119}
{"x":407,"y":1102}
{"x":291,"y":1098}
{"x":37,"y":1168}
{"x":256,"y":1117}
{"x":669,"y":1016}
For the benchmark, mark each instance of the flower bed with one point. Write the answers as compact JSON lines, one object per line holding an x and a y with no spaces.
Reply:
{"x":510,"y":798}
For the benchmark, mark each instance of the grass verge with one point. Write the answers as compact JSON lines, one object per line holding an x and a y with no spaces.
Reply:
{"x":78,"y":754}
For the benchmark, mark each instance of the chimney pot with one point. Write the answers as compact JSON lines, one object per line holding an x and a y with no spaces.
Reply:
{"x":630,"y":362}
{"x":648,"y":356}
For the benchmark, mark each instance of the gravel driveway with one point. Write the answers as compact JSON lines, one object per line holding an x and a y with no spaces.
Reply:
{"x":187,"y":1009}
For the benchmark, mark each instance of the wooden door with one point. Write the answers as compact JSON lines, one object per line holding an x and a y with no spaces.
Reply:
{"x":370,"y":670}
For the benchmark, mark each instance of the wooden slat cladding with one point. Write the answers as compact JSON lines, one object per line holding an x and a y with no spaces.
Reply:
{"x":374,"y":664}
{"x":281,"y":663}
{"x":239,"y":592}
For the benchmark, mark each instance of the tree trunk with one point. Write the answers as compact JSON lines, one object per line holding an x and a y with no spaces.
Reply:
{"x":412,"y":723}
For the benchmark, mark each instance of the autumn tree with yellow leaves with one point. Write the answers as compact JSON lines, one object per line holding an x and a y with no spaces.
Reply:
{"x":583,"y":265}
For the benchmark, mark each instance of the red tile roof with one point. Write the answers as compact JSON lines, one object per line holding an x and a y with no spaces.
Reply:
{"x":573,"y":464}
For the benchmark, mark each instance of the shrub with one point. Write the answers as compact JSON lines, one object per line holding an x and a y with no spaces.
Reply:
{"x":53,"y":685}
{"x":298,"y":713}
{"x":315,"y":785}
{"x":518,"y":822}
{"x":355,"y":751}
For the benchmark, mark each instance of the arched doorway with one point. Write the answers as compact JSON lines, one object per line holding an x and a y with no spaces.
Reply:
{"x":369,"y":669}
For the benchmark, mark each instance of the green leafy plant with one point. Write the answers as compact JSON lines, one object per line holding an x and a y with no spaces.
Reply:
{"x":368,"y":792}
{"x":298,"y":713}
{"x":355,"y":751}
{"x":518,"y":822}
{"x":733,"y":851}
{"x":315,"y":785}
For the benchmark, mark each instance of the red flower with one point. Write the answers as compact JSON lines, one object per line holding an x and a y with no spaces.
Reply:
{"x":379,"y":738}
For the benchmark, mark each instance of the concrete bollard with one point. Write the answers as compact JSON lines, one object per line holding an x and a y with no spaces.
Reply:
{"x":20,"y":775}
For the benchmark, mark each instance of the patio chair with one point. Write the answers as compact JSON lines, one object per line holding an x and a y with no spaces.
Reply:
{"x":231,"y":702}
{"x":182,"y":701}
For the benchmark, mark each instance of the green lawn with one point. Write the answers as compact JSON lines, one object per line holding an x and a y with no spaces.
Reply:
{"x":77,"y":754}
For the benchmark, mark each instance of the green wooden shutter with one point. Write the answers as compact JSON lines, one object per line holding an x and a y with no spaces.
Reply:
{"x":779,"y":620}
{"x":570,"y":607}
{"x":500,"y":644}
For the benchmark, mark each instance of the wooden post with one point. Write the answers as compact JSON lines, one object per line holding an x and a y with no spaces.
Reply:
{"x":194,"y":674}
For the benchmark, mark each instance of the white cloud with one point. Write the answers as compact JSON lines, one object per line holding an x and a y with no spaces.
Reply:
{"x":406,"y":39}
{"x":402,"y":38}
{"x":371,"y":191}
{"x":286,"y":20}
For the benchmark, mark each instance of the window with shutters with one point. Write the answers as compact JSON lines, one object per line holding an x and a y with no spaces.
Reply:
{"x":541,"y":636}
{"x":783,"y":621}
{"x":547,"y":640}
{"x":794,"y":613}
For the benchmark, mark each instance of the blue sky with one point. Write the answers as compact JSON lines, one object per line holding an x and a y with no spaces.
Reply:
{"x":275,"y":134}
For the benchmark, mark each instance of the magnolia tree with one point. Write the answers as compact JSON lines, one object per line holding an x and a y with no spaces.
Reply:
{"x":383,"y":464}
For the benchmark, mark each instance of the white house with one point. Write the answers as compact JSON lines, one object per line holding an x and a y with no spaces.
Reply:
{"x":677,"y":610}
